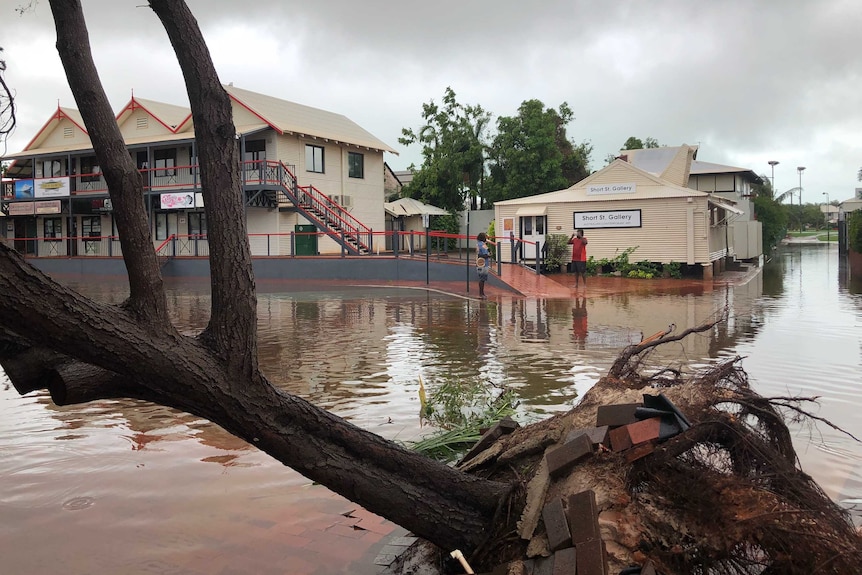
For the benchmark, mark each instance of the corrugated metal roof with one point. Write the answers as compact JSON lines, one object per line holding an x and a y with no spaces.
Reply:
{"x":699,"y":168}
{"x":652,"y":160}
{"x":412,"y":207}
{"x":296,"y":118}
{"x":649,"y":186}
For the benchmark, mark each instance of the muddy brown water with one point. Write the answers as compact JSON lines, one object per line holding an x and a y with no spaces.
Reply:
{"x":126,"y":487}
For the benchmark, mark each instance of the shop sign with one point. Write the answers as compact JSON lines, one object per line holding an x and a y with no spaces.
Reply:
{"x":21,"y":209}
{"x":610,"y":189}
{"x":52,"y":188}
{"x":608,"y":219}
{"x":177,"y":201}
{"x":52,"y":207}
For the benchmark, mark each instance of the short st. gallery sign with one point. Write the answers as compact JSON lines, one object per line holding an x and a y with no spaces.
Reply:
{"x":609,"y":219}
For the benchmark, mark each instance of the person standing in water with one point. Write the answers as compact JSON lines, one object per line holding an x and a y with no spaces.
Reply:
{"x":579,"y":256}
{"x":483,"y":262}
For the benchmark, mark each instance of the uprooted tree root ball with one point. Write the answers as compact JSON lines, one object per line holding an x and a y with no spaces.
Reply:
{"x":724,"y":497}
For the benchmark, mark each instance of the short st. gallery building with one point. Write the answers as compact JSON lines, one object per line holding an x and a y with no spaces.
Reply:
{"x":623,"y":206}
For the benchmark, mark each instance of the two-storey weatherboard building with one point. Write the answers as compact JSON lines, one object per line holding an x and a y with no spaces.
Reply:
{"x":313,"y":181}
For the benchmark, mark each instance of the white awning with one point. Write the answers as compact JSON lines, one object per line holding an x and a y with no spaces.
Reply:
{"x":532,"y":211}
{"x":725,"y":205}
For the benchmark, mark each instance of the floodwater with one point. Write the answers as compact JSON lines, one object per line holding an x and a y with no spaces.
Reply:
{"x":127,"y":487}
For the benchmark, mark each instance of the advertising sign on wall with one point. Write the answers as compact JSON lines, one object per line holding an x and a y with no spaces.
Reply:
{"x":52,"y":188}
{"x":609,"y":219}
{"x":22,"y":209}
{"x":52,"y":207}
{"x":24,"y":189}
{"x":177,"y":201}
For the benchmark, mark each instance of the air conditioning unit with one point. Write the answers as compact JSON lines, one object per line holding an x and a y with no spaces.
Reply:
{"x":343,"y":201}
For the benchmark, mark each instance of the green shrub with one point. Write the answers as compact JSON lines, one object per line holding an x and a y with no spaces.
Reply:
{"x":555,"y":256}
{"x":672,"y":270}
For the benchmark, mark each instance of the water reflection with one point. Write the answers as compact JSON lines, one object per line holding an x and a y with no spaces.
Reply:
{"x":360,"y":351}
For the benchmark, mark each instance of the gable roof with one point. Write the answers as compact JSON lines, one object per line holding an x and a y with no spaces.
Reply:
{"x":174,"y":118}
{"x":291,"y":118}
{"x":648,"y":186}
{"x":61,"y":114}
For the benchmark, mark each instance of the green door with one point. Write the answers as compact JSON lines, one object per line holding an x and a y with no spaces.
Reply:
{"x":306,"y":240}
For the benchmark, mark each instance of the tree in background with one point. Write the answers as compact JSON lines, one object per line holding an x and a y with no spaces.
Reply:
{"x":531,"y":153}
{"x":453,"y":151}
{"x":637,"y":144}
{"x":633,"y":143}
{"x":771,"y":213}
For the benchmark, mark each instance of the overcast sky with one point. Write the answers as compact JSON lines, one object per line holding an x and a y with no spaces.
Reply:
{"x":748,"y":80}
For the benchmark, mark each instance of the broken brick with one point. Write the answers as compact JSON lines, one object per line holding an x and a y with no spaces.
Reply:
{"x":598,"y":435}
{"x":643,"y":431}
{"x":591,"y":558}
{"x":620,"y":438}
{"x":639,"y":452}
{"x":543,"y":566}
{"x":556,"y":526}
{"x":565,"y":562}
{"x":562,"y":458}
{"x":616,"y":415}
{"x":583,"y":516}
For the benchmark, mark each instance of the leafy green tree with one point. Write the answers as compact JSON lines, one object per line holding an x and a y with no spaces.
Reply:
{"x":771,"y":213}
{"x":453,"y":152}
{"x":637,"y":144}
{"x":531,"y":153}
{"x":633,"y":143}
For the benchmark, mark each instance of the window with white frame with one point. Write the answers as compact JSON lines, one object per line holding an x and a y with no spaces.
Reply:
{"x":355,"y":165}
{"x":314,"y":158}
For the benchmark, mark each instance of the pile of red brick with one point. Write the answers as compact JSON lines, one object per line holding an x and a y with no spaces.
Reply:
{"x":572,"y":526}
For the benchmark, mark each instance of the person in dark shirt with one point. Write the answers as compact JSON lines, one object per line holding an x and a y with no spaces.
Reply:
{"x":483,"y":262}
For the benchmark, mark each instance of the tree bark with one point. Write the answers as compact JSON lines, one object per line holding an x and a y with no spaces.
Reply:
{"x":147,"y":296}
{"x":54,"y":338}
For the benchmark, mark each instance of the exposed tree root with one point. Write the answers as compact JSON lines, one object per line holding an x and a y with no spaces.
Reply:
{"x":724,"y":497}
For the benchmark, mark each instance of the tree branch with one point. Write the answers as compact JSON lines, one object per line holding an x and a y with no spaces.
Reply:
{"x":233,"y":322}
{"x":147,"y":298}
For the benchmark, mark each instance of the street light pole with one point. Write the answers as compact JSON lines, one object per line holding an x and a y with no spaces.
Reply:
{"x":773,"y":163}
{"x":827,"y":215}
{"x":800,"y":169}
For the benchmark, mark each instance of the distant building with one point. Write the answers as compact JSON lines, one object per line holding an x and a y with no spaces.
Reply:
{"x":641,"y":200}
